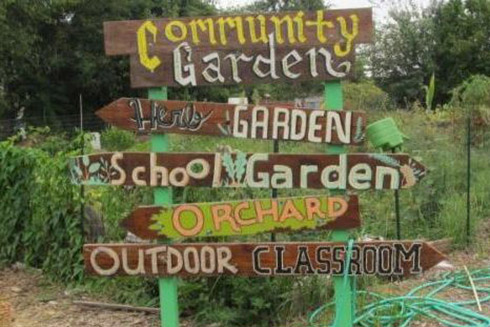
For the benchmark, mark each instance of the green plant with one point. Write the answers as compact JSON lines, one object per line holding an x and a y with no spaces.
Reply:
{"x":429,"y":92}
{"x":365,"y":96}
{"x":475,"y":91}
{"x":115,"y":203}
{"x":39,"y":212}
{"x":113,"y":139}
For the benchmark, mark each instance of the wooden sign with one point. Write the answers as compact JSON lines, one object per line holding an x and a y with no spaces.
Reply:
{"x":247,"y":217}
{"x":383,"y":258}
{"x":251,"y":48}
{"x":239,"y":121}
{"x":255,"y":170}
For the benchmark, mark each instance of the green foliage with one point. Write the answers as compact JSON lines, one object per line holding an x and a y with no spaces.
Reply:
{"x":435,"y":208}
{"x":461,"y":47}
{"x":401,"y":56}
{"x":281,"y":5}
{"x":16,"y":177}
{"x":39,"y":212}
{"x":365,"y":96}
{"x":475,"y":91}
{"x":473,"y":95}
{"x":238,"y":301}
{"x":114,"y":139}
{"x":448,"y":38}
{"x":429,"y":92}
{"x":115,"y":203}
{"x":53,"y":51}
{"x":44,"y":139}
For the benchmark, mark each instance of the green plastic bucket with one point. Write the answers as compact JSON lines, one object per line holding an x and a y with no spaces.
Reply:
{"x":385,"y":134}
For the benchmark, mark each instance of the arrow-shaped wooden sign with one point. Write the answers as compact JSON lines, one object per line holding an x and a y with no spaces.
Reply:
{"x":255,"y":170}
{"x":239,"y":121}
{"x":384,"y":258}
{"x":246,"y":217}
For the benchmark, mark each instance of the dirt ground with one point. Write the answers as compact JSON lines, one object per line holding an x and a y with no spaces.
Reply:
{"x":36,"y":302}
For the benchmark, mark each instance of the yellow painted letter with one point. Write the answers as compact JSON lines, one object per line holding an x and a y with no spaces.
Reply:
{"x":348,"y":36}
{"x":201,"y":24}
{"x":320,"y":25}
{"x":278,"y":29}
{"x":251,"y":26}
{"x":235,"y":23}
{"x":170,"y":33}
{"x":153,"y":62}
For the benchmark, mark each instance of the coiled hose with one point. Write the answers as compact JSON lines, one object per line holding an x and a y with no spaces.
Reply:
{"x":400,"y":311}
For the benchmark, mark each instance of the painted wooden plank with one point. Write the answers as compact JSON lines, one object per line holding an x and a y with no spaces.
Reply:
{"x":246,"y":217}
{"x":340,"y":28}
{"x":257,"y":170}
{"x":187,"y":67}
{"x":239,"y":121}
{"x":382,"y":258}
{"x":244,"y":49}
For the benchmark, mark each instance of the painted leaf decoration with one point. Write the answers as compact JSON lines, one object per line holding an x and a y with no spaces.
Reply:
{"x":77,"y":170}
{"x":386,"y":159}
{"x":94,"y":167}
{"x":76,"y":175}
{"x":85,"y":160}
{"x":359,"y":134}
{"x":228,"y":163}
{"x":240,"y":165}
{"x":155,"y":226}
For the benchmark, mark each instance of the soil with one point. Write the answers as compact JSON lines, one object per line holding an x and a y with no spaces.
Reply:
{"x":36,"y":302}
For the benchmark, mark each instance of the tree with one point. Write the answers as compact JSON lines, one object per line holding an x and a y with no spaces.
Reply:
{"x":285,"y":5}
{"x":462,"y":41}
{"x":53,"y":50}
{"x":401,"y":58}
{"x":449,"y":39}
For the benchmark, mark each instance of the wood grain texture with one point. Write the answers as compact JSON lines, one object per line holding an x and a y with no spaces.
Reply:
{"x":383,"y":258}
{"x":244,"y":49}
{"x":220,"y":119}
{"x":221,"y":71}
{"x":120,"y":36}
{"x":246,"y":217}
{"x":259,"y":170}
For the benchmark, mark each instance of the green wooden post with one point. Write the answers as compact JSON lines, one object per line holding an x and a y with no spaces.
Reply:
{"x":169,"y":305}
{"x":344,"y":310}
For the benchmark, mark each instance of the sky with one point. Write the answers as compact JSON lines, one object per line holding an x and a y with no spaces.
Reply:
{"x":380,"y":11}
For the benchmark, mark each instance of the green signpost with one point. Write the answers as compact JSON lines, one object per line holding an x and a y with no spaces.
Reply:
{"x":344,"y":296}
{"x":169,"y":302}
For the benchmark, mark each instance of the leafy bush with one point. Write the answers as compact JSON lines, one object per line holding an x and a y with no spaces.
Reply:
{"x":113,"y":139}
{"x":115,"y":203}
{"x":365,"y":96}
{"x":39,"y":212}
{"x":474,"y":94}
{"x":237,"y":301}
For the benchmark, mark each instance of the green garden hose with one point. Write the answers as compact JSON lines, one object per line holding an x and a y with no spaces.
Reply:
{"x":400,"y":311}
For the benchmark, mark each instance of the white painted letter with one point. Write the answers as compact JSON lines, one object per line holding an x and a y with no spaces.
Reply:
{"x":111,"y":253}
{"x":178,"y":69}
{"x":122,"y":174}
{"x":262,"y":178}
{"x":240,"y":127}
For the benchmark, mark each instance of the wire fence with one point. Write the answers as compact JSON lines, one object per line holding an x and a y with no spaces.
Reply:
{"x":68,"y":123}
